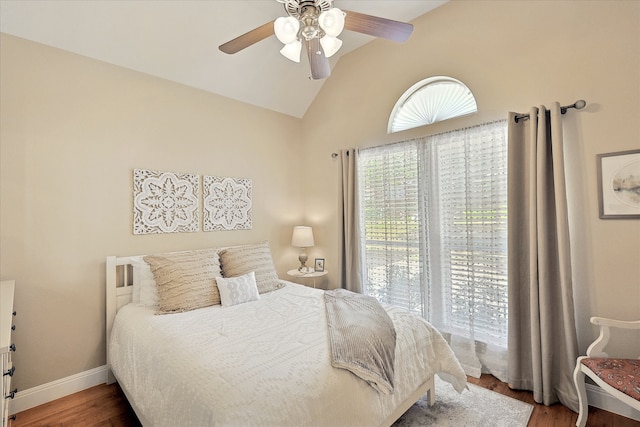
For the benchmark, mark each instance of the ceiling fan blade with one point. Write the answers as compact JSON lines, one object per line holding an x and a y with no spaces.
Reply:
{"x":247,"y":39}
{"x":319,"y":63}
{"x":378,"y":27}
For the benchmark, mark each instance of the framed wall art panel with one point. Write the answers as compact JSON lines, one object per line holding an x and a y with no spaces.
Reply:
{"x":619,"y":184}
{"x":165,"y":202}
{"x":227,"y":204}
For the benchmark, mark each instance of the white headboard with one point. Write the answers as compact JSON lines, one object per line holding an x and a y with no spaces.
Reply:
{"x":119,"y":291}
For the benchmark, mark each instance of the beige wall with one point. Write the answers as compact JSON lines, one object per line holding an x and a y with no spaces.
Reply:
{"x":73,"y":129}
{"x":512,"y":55}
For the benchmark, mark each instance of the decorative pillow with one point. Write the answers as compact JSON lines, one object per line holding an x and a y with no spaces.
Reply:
{"x":185,"y":280}
{"x":144,"y":286}
{"x":136,"y":264}
{"x":236,"y":290}
{"x":239,"y":260}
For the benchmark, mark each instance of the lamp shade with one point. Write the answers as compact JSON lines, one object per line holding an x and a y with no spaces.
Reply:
{"x":292,"y":51}
{"x":332,"y":21}
{"x":302,"y":237}
{"x":286,"y":29}
{"x":330,"y":45}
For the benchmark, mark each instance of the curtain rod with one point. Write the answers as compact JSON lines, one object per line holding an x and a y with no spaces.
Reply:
{"x":578,"y":105}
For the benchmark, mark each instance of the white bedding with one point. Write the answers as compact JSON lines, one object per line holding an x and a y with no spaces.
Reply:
{"x":264,"y":362}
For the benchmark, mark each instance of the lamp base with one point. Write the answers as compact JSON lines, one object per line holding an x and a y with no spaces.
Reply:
{"x":303,"y":261}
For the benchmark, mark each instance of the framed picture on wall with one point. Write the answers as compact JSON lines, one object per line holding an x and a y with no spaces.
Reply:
{"x":619,"y":184}
{"x":319,"y":264}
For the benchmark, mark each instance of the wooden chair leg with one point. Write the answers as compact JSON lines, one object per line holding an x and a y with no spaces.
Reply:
{"x":578,"y":379}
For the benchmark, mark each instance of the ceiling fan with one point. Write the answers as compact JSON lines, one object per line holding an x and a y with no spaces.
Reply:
{"x":316,"y":24}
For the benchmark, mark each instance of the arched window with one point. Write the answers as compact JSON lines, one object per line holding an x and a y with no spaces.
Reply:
{"x":429,"y":101}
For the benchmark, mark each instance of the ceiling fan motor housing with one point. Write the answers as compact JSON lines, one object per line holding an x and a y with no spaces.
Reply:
{"x":298,"y":8}
{"x":309,"y":20}
{"x":307,"y":12}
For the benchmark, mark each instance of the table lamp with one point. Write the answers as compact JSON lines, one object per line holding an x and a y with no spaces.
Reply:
{"x":302,"y":238}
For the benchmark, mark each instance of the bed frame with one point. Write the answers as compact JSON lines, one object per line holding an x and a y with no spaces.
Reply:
{"x":119,"y":292}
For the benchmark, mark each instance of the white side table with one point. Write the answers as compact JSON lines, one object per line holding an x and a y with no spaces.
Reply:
{"x":311,"y":275}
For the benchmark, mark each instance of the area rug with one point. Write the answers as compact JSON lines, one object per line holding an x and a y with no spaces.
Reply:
{"x":477,"y":407}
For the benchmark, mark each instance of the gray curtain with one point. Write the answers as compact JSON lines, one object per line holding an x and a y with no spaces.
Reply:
{"x":351,"y":275}
{"x":542,"y":333}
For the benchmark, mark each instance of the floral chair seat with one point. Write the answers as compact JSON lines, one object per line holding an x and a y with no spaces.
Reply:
{"x":618,"y":377}
{"x":621,"y":374}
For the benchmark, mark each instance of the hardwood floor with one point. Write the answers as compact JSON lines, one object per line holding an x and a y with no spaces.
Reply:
{"x":555,"y":415}
{"x":105,"y":405}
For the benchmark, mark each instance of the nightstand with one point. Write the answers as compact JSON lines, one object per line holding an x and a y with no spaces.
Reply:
{"x":311,"y":275}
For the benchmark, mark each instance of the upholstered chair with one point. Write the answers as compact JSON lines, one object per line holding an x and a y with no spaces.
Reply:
{"x":618,"y":377}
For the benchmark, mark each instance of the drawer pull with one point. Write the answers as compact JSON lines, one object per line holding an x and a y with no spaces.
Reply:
{"x":12,"y":347}
{"x":9,"y":372}
{"x":14,"y":312}
{"x":13,"y":327}
{"x":12,"y":394}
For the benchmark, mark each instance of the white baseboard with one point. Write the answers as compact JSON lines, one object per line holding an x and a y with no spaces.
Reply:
{"x":603,"y":400}
{"x":32,"y":397}
{"x":44,"y":393}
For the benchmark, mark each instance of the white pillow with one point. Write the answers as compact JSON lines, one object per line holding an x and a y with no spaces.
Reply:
{"x":239,"y":289}
{"x":135,"y":262}
{"x":145,"y":292}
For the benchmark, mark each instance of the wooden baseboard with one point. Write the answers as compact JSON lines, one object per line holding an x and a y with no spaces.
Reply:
{"x":603,"y":400}
{"x":44,"y":393}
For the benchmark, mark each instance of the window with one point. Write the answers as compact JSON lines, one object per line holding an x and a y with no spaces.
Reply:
{"x":429,"y":101}
{"x":388,"y":178}
{"x":434,"y":238}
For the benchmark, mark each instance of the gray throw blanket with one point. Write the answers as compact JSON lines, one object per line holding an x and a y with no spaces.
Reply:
{"x":362,"y":336}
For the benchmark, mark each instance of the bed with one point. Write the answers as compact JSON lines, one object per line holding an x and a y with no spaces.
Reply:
{"x":266,"y":361}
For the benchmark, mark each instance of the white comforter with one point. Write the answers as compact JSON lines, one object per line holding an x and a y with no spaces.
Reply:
{"x":263,"y":363}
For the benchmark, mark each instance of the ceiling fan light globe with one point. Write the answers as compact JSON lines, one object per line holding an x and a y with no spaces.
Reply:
{"x":330,"y":45}
{"x":286,"y":29}
{"x":292,"y":51}
{"x":332,"y":21}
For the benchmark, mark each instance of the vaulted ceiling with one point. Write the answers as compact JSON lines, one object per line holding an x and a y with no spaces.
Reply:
{"x":178,"y":41}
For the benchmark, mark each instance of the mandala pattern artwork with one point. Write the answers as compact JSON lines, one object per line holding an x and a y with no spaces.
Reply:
{"x":165,"y":202}
{"x":227,"y":204}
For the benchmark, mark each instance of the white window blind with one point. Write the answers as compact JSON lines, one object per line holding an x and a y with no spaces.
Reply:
{"x":434,"y":218}
{"x":388,"y":180}
{"x":465,"y":181}
{"x":429,"y":101}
